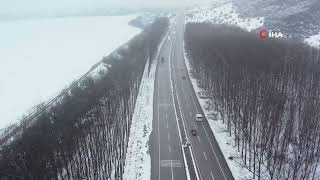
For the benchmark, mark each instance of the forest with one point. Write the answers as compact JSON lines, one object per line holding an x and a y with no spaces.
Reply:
{"x":267,"y":94}
{"x":84,"y":135}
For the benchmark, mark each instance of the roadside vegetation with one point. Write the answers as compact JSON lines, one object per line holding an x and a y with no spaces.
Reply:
{"x":84,"y":135}
{"x":268,"y":95}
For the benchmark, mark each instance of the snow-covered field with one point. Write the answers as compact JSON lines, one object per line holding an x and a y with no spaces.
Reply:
{"x":40,"y":57}
{"x":223,"y":13}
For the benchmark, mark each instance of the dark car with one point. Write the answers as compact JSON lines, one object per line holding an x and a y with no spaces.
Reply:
{"x":194,"y":132}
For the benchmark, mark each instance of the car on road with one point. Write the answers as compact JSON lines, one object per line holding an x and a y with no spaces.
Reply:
{"x":194,"y":132}
{"x":199,"y":117}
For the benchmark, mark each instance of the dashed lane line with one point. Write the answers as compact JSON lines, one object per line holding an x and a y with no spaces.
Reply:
{"x":205,"y":156}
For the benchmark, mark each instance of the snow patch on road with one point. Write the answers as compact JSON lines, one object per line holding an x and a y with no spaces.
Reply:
{"x":219,"y":130}
{"x":223,"y":13}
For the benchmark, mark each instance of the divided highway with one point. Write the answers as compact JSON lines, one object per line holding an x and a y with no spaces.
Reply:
{"x":175,"y":108}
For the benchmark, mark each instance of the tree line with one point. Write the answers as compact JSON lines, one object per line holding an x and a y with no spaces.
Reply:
{"x":268,"y":96}
{"x":84,"y":135}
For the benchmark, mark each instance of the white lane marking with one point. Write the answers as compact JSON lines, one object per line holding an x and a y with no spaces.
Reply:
{"x":205,"y":156}
{"x":168,"y":136}
{"x":171,"y":170}
{"x":171,"y":162}
{"x":208,"y":140}
{"x":176,"y":114}
{"x":199,"y":139}
{"x":166,"y":116}
{"x":158,"y":130}
{"x":194,"y":160}
{"x":211,"y":175}
{"x":190,"y":114}
{"x":214,"y":152}
{"x":203,"y":126}
{"x":169,"y":148}
{"x":158,"y":54}
{"x":194,"y":123}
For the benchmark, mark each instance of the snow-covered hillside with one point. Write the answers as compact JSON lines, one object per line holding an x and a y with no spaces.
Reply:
{"x":295,"y":19}
{"x":299,"y":19}
{"x":40,"y":57}
{"x":222,"y":13}
{"x":314,"y":40}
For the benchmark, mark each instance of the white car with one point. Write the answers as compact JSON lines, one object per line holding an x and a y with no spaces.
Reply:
{"x":199,"y":117}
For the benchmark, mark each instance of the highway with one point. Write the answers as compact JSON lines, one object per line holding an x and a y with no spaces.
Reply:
{"x":175,"y":108}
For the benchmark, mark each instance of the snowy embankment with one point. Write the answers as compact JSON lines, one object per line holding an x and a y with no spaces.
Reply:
{"x":40,"y":57}
{"x":219,"y":130}
{"x":222,"y":13}
{"x":138,"y":160}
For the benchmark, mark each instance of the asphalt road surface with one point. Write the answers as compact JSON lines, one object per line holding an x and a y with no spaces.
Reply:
{"x":175,"y":108}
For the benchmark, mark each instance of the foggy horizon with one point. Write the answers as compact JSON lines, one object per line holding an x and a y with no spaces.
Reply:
{"x":49,"y":7}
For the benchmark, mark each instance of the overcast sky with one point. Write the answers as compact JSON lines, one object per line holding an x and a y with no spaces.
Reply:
{"x":35,"y":6}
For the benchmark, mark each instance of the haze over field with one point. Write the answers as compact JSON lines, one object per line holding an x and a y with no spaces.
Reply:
{"x":40,"y":57}
{"x":58,"y":7}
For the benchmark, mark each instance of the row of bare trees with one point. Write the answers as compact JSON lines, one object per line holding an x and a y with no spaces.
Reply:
{"x":268,"y":95}
{"x":85,"y":134}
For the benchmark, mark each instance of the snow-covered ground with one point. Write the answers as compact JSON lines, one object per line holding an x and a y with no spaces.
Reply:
{"x":138,"y":160}
{"x":222,"y":13}
{"x":220,"y":132}
{"x":39,"y":57}
{"x":314,"y":40}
